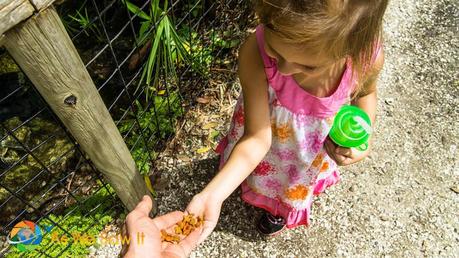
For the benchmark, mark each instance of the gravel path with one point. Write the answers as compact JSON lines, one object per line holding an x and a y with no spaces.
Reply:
{"x":401,"y":201}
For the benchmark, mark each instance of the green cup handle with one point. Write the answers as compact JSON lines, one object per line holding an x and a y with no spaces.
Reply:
{"x":362,"y":147}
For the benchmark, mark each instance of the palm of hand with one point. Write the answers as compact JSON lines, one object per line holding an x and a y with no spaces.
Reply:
{"x":145,"y":233}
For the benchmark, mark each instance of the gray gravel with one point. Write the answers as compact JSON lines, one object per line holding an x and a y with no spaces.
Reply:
{"x":402,"y":200}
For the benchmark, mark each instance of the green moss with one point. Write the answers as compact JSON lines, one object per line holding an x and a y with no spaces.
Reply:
{"x":31,"y":135}
{"x":84,"y":222}
{"x":7,"y":64}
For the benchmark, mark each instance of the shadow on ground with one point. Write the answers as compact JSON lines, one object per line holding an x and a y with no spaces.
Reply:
{"x":236,"y":217}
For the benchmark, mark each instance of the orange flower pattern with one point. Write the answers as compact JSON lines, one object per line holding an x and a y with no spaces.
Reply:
{"x":298,"y":192}
{"x":318,"y":160}
{"x":324,"y":167}
{"x":283,"y":131}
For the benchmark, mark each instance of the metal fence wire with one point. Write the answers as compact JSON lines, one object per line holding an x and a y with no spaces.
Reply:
{"x":149,"y":60}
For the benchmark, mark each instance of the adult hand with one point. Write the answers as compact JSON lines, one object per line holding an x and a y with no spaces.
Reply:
{"x":204,"y":204}
{"x":344,"y":156}
{"x":140,"y":225}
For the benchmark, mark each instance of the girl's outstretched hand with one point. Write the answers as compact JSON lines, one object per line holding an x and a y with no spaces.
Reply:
{"x":204,"y":204}
{"x":344,"y":156}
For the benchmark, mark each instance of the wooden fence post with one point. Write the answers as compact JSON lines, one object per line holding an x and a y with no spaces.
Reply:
{"x":44,"y":51}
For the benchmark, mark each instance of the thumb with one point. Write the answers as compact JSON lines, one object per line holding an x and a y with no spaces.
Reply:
{"x":144,"y":206}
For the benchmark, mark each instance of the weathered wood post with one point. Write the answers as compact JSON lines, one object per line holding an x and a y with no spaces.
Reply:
{"x":44,"y":51}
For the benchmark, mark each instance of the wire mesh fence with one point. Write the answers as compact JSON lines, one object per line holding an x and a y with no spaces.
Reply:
{"x":149,"y":60}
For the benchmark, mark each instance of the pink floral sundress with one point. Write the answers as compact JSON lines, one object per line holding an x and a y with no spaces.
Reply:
{"x":296,"y":167}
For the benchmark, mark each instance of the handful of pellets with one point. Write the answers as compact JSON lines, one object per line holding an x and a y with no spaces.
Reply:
{"x":184,"y":227}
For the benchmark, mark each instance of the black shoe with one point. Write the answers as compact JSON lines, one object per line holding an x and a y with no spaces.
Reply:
{"x":270,"y":225}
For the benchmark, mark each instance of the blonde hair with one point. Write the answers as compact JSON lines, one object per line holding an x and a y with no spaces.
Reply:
{"x":340,"y":28}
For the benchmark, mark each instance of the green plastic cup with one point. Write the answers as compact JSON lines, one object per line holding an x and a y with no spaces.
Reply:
{"x":351,"y":128}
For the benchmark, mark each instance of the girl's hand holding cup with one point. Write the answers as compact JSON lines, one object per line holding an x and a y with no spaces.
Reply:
{"x":348,"y":140}
{"x":344,"y":156}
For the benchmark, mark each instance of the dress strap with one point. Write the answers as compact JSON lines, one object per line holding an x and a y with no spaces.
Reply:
{"x":260,"y":34}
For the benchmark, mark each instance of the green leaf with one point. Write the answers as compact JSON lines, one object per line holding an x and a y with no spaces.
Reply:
{"x":152,"y":57}
{"x":143,"y":35}
{"x":137,"y":11}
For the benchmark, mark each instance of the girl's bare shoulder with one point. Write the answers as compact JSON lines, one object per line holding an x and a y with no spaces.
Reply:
{"x":250,"y":61}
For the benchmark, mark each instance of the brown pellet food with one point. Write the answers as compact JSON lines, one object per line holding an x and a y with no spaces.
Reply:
{"x":166,"y":237}
{"x":184,"y":228}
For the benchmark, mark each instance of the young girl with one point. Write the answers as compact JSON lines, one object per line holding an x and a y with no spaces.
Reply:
{"x":306,"y":59}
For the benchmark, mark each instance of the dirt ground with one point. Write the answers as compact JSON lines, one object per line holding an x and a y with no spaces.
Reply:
{"x":401,"y":201}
